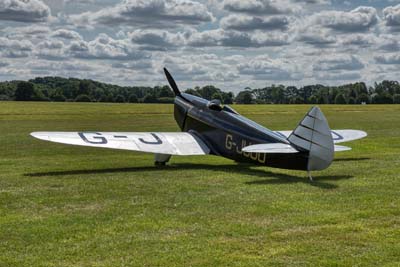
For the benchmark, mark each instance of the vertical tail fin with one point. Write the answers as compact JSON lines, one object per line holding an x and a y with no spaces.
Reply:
{"x":314,"y":135}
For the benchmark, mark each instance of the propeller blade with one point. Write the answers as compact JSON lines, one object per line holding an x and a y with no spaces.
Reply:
{"x":172,"y":83}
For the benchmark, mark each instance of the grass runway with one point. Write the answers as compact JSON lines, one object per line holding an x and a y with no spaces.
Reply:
{"x":66,"y":205}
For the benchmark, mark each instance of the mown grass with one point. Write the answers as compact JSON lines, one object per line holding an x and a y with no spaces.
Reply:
{"x":77,"y":206}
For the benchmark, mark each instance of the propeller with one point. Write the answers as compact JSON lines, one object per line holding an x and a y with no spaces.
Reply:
{"x":172,"y":83}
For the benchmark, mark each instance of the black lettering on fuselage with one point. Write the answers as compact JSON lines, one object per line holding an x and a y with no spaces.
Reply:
{"x":100,"y":139}
{"x":157,"y":141}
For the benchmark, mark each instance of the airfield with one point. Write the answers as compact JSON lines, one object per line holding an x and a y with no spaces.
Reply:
{"x":77,"y":206}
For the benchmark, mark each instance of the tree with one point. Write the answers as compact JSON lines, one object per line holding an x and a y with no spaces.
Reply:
{"x":352,"y":101}
{"x":133,"y":99}
{"x":85,"y":87}
{"x":340,"y":99}
{"x":25,"y":91}
{"x":98,"y":94}
{"x":321,"y":100}
{"x":165,"y":100}
{"x":165,"y":92}
{"x":296,"y":100}
{"x":313,"y":99}
{"x":363,"y":98}
{"x":119,"y":99}
{"x":4,"y":97}
{"x":383,"y":98}
{"x":217,"y":96}
{"x":227,"y":98}
{"x":390,"y":87}
{"x":149,"y":99}
{"x":396,"y":98}
{"x":244,"y":97}
{"x":59,"y":97}
{"x":106,"y":99}
{"x":208,"y":91}
{"x":83,"y":98}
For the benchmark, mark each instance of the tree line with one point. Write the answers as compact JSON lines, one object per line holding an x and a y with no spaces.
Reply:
{"x":59,"y":89}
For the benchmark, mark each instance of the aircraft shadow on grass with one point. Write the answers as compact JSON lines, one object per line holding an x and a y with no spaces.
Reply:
{"x":351,"y":159}
{"x":269,"y":177}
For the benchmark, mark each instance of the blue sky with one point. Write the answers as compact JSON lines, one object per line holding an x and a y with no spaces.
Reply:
{"x":229,"y":43}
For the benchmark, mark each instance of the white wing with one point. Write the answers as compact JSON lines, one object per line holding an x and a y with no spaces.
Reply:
{"x":160,"y":143}
{"x":339,"y":136}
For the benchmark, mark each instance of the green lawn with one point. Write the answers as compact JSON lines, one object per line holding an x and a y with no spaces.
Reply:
{"x":75,"y":206}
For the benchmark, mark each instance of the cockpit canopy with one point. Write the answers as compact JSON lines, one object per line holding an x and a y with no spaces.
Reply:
{"x":215,"y":104}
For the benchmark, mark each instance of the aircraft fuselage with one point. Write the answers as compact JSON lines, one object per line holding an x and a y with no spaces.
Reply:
{"x":226,"y":132}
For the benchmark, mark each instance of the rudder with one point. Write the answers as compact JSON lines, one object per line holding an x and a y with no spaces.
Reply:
{"x":314,"y":135}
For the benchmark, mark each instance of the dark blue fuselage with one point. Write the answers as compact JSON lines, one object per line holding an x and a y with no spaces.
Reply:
{"x":226,"y":132}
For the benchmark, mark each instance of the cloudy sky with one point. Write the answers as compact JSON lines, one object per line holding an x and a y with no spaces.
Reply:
{"x":229,"y":43}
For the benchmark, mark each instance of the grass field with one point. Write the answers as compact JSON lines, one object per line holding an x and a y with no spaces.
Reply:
{"x":75,"y":206}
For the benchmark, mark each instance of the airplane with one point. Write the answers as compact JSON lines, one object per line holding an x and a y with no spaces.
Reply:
{"x":210,"y":128}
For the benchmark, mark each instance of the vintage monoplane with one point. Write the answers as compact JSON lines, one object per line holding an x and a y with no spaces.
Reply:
{"x":209,"y":128}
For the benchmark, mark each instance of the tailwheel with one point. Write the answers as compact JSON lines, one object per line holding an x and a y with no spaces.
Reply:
{"x":309,"y":176}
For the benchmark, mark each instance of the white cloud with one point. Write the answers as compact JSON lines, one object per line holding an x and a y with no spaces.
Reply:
{"x":388,"y":58}
{"x":24,"y":11}
{"x":264,"y":68}
{"x":391,"y":15}
{"x":358,"y":40}
{"x":31,"y":33}
{"x":339,"y":76}
{"x":248,"y":23}
{"x":317,"y":2}
{"x":157,"y":39}
{"x":237,"y":39}
{"x":51,"y":50}
{"x":105,"y":47}
{"x":15,"y":48}
{"x":338,"y":62}
{"x":316,"y":36}
{"x":148,"y":14}
{"x":260,"y":7}
{"x":389,"y":42}
{"x":4,"y":64}
{"x":66,"y":34}
{"x":358,"y":20}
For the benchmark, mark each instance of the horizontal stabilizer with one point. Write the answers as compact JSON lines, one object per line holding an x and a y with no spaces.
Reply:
{"x":270,"y":148}
{"x":339,"y":136}
{"x":342,"y":148}
{"x":281,"y":148}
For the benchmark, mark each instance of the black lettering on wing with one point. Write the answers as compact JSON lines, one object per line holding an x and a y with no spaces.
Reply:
{"x":336,"y":136}
{"x":156,"y":142}
{"x":99,"y":139}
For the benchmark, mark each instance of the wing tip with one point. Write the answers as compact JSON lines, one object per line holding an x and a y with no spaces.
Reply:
{"x":39,"y":135}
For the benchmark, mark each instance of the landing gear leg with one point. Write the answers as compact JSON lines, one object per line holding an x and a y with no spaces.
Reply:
{"x":309,"y":176}
{"x":161,"y":159}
